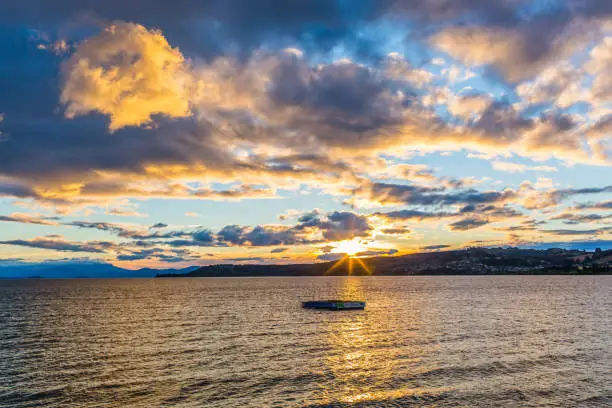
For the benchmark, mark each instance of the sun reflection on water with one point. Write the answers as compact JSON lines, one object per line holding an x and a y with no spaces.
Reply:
{"x":366,"y":354}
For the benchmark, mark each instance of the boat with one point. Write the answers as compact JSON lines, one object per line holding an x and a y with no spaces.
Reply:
{"x":334,"y":304}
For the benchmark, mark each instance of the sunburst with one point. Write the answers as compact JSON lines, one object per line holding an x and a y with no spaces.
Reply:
{"x":350,"y":248}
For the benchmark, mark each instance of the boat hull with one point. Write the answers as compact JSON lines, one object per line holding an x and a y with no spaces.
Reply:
{"x":334,"y":304}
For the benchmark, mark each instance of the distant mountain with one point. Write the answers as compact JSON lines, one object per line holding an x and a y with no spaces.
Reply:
{"x":578,"y":245}
{"x":471,"y":261}
{"x":76,"y":269}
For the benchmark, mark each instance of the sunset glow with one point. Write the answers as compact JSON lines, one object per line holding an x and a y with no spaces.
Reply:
{"x":213,"y":136}
{"x":349,"y":247}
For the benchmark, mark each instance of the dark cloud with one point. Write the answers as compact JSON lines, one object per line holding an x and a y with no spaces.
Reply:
{"x":502,"y":120}
{"x":604,"y":205}
{"x":218,"y":26}
{"x":65,"y":147}
{"x":61,"y":245}
{"x":268,"y":236}
{"x":278,"y":250}
{"x":386,"y":193}
{"x":232,"y":233}
{"x":158,"y":225}
{"x":208,"y":27}
{"x":467,"y":224}
{"x":555,"y":197}
{"x":527,"y":225}
{"x":332,"y":256}
{"x":342,"y":225}
{"x":203,"y":236}
{"x":346,"y":98}
{"x":102,"y":226}
{"x":434,"y":247}
{"x":377,"y":252}
{"x":576,"y":232}
{"x":334,"y":226}
{"x":123,"y":231}
{"x":245,"y":259}
{"x":11,"y":260}
{"x":396,"y":231}
{"x":414,"y":215}
{"x":26,"y":219}
{"x":517,"y":48}
{"x":15,"y":190}
{"x":573,"y":218}
{"x":43,"y":146}
{"x":159,"y":254}
{"x":491,"y":210}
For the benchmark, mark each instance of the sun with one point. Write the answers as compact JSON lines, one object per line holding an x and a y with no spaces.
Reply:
{"x":349,"y":247}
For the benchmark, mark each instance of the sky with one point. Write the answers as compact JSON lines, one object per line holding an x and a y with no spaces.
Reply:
{"x":148,"y":133}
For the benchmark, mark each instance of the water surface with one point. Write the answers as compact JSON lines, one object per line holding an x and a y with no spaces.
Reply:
{"x":523,"y":341}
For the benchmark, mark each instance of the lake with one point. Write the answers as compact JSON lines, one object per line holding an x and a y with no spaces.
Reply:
{"x":486,"y":341}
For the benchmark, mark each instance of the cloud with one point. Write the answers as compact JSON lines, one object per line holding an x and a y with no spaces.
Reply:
{"x":159,"y":254}
{"x":118,"y":229}
{"x":527,"y":225}
{"x":158,"y":225}
{"x":203,"y":101}
{"x":311,"y":228}
{"x":603,"y":205}
{"x":573,"y":218}
{"x":377,"y":252}
{"x":469,"y":106}
{"x":11,"y":260}
{"x":245,"y":259}
{"x":29,"y":219}
{"x":222,"y":26}
{"x":395,"y":194}
{"x":124,"y":212}
{"x":414,"y":215}
{"x":267,"y":121}
{"x":259,"y":235}
{"x":518,"y":52}
{"x":598,"y":66}
{"x":563,"y":232}
{"x":341,"y":225}
{"x":333,"y":256}
{"x":278,"y":250}
{"x":129,"y":73}
{"x":61,"y":245}
{"x":520,"y":168}
{"x":12,"y":189}
{"x":124,"y":231}
{"x":396,"y":231}
{"x":434,"y":247}
{"x":545,"y":199}
{"x":492,"y":211}
{"x":468,"y":224}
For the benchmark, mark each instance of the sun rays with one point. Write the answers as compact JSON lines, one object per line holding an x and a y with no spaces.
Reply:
{"x":350,"y":260}
{"x":349,"y":247}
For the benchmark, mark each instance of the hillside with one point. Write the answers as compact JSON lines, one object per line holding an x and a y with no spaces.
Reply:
{"x":471,"y":261}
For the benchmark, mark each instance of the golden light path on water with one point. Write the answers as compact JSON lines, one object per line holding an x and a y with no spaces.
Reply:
{"x":364,"y":369}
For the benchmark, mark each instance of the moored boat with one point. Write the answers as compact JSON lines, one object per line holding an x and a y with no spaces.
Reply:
{"x":334,"y":304}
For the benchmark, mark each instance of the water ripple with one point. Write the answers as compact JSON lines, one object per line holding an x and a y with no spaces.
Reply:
{"x":422,"y":341}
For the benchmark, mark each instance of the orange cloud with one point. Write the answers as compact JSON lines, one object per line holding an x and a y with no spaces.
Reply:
{"x":128,"y":73}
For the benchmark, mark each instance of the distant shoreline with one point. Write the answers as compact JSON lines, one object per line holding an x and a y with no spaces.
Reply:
{"x":184,"y":276}
{"x":555,"y":273}
{"x":465,"y":262}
